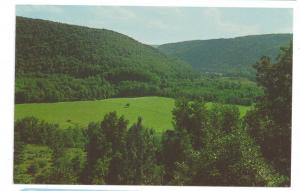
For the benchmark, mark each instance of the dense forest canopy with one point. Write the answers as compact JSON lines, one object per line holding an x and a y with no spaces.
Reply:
{"x":233,"y":57}
{"x":54,"y":48}
{"x":60,"y":62}
{"x":93,"y":63}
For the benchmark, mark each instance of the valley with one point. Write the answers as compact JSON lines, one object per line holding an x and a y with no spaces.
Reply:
{"x":95,"y":106}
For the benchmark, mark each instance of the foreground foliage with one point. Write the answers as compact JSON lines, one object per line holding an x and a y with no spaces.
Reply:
{"x":206,"y":147}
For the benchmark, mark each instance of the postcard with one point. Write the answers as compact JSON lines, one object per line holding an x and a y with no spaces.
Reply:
{"x":139,"y":95}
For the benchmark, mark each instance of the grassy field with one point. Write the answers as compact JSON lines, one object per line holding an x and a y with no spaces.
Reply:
{"x":156,"y":111}
{"x":243,"y":109}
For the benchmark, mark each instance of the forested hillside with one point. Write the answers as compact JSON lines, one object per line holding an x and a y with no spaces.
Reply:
{"x":64,"y":62}
{"x":61,"y":62}
{"x":53,"y":48}
{"x":233,"y":57}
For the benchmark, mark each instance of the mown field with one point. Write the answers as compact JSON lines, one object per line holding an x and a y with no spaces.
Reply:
{"x":155,"y":111}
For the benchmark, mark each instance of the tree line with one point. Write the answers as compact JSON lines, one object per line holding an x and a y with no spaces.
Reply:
{"x":60,"y":87}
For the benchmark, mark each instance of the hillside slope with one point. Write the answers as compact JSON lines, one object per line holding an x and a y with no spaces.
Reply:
{"x":234,"y":56}
{"x":89,"y":60}
{"x":50,"y":47}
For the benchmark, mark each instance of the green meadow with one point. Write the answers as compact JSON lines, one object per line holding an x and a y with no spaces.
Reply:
{"x":155,"y":111}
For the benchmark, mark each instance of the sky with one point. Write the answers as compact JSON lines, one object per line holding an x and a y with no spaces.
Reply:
{"x":159,"y":25}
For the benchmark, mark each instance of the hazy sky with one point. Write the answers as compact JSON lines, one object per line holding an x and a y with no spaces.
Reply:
{"x":158,"y":25}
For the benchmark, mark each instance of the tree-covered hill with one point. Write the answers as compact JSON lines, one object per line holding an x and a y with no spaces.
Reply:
{"x":57,"y":62}
{"x":62,"y":62}
{"x":234,"y":56}
{"x":55,"y":48}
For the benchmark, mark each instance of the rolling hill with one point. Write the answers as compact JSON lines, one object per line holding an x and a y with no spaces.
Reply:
{"x":58,"y":62}
{"x":234,"y":56}
{"x":55,"y":48}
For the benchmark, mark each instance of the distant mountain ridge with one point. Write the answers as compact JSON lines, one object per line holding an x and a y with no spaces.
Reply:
{"x":232,"y":56}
